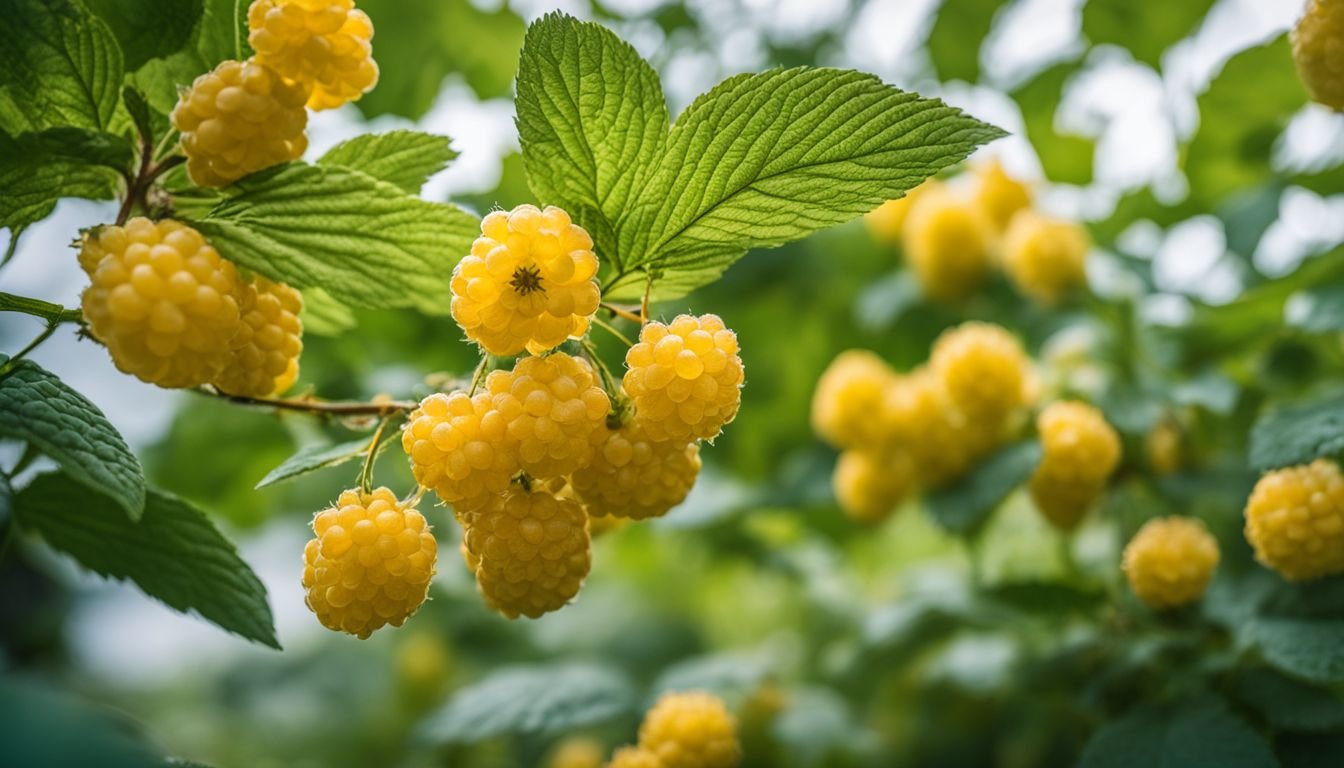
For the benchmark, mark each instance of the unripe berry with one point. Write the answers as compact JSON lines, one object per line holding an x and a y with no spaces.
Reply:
{"x":691,"y":730}
{"x":265,"y":352}
{"x":632,"y":476}
{"x":887,"y":221}
{"x":999,"y":195}
{"x":527,"y":283}
{"x":634,"y":757}
{"x":1170,"y":561}
{"x":984,"y":370}
{"x":370,"y":563}
{"x":1318,"y":51}
{"x":458,"y":445}
{"x":162,"y":300}
{"x":685,"y":378}
{"x":849,"y":393}
{"x":870,"y":485}
{"x":941,"y":440}
{"x":554,"y":408}
{"x":1080,"y":451}
{"x":947,"y":245}
{"x":322,"y":44}
{"x":1295,"y":521}
{"x":1045,"y":258}
{"x":238,"y":119}
{"x":529,"y":550}
{"x":576,"y":752}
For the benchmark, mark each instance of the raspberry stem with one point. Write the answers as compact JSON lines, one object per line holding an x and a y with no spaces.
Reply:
{"x":366,"y":472}
{"x":623,"y":313}
{"x":337,"y":408}
{"x":609,"y":328}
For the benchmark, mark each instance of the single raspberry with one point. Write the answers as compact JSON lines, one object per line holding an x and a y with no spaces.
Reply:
{"x":999,"y":195}
{"x":527,"y":283}
{"x":1045,"y":258}
{"x":941,"y":440}
{"x":458,"y":445}
{"x":162,"y":300}
{"x":1080,"y":450}
{"x":529,"y":550}
{"x":238,"y":119}
{"x":887,"y":221}
{"x":576,"y":752}
{"x":1170,"y":561}
{"x":691,"y":730}
{"x":632,"y":476}
{"x":848,"y":394}
{"x":323,"y":44}
{"x":370,"y":564}
{"x":555,"y":408}
{"x":685,"y":378}
{"x":870,"y":485}
{"x":634,"y":757}
{"x":1295,"y":521}
{"x":947,"y":245}
{"x":984,"y":370}
{"x":265,"y":359}
{"x":1163,"y":445}
{"x":1318,"y":51}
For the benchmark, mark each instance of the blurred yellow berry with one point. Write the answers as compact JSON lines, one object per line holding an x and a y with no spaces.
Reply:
{"x":887,"y":221}
{"x":601,"y":525}
{"x":555,"y":410}
{"x":1295,"y":521}
{"x":984,"y":370}
{"x":370,"y":563}
{"x":1080,"y":451}
{"x":634,"y":757}
{"x":458,"y":446}
{"x":691,"y":730}
{"x":1045,"y":258}
{"x":162,"y":300}
{"x":238,"y":119}
{"x":1318,"y":51}
{"x":870,"y":485}
{"x":685,"y":378}
{"x":848,"y":395}
{"x":576,"y":752}
{"x":322,"y":44}
{"x":423,"y":664}
{"x":941,"y":440}
{"x":265,"y":358}
{"x":1163,"y":445}
{"x":1170,"y":561}
{"x":947,"y":245}
{"x":632,"y":476}
{"x":527,"y":283}
{"x":1000,"y":195}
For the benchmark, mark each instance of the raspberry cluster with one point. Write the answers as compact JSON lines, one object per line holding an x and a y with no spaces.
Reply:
{"x":322,"y":44}
{"x":684,"y":378}
{"x":1170,"y":561}
{"x":691,"y":729}
{"x":1080,"y":451}
{"x":1318,"y":52}
{"x":1295,"y":520}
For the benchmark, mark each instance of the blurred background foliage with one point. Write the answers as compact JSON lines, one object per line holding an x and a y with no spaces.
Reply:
{"x":1178,"y":131}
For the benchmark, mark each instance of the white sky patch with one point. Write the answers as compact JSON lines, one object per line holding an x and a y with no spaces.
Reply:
{"x":1308,"y":224}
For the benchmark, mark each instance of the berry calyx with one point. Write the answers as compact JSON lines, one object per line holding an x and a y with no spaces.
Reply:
{"x":685,"y":378}
{"x":1080,"y":450}
{"x":322,"y":44}
{"x":1170,"y":561}
{"x":1295,"y":521}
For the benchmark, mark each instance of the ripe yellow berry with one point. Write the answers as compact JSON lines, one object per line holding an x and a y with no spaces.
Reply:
{"x":162,"y":300}
{"x":601,"y":525}
{"x":850,"y":391}
{"x":529,"y":550}
{"x":984,"y":370}
{"x":1295,"y":520}
{"x":1170,"y":561}
{"x":632,"y":476}
{"x":238,"y":119}
{"x":322,"y":44}
{"x":691,"y":730}
{"x":527,"y":283}
{"x":634,"y":757}
{"x":887,"y":220}
{"x":576,"y":752}
{"x":685,"y":378}
{"x":370,"y":563}
{"x":941,"y":440}
{"x":947,"y":245}
{"x":1000,"y":195}
{"x":1318,"y":51}
{"x":555,"y":408}
{"x":458,"y":446}
{"x":265,"y":359}
{"x":1080,"y":450}
{"x":869,"y":485}
{"x":1045,"y":258}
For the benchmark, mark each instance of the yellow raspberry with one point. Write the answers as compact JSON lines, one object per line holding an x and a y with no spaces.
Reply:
{"x":888,"y":220}
{"x":634,"y":757}
{"x":850,"y":391}
{"x":554,"y":407}
{"x":947,"y":245}
{"x":1318,"y":51}
{"x":941,"y":440}
{"x":529,"y":550}
{"x":576,"y":752}
{"x":458,"y":446}
{"x":601,"y":525}
{"x":1080,"y":451}
{"x":1000,"y":195}
{"x":1170,"y":561}
{"x":323,"y":44}
{"x":1295,"y":521}
{"x":1163,"y":445}
{"x":685,"y":378}
{"x":1045,"y":258}
{"x":984,"y":370}
{"x":238,"y":119}
{"x":870,"y":485}
{"x":265,"y":359}
{"x":370,"y":563}
{"x":527,"y":283}
{"x":632,"y":476}
{"x":162,"y":300}
{"x":691,"y":730}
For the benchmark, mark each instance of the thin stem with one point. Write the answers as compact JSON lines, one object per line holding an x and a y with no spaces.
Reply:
{"x":609,"y":328}
{"x":41,"y":337}
{"x":14,"y":234}
{"x":623,"y":313}
{"x":52,"y":313}
{"x":479,"y":375}
{"x":366,"y":472}
{"x":591,"y":353}
{"x":644,"y":303}
{"x":308,"y":405}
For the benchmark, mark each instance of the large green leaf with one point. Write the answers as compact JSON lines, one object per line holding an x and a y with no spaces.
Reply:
{"x":1306,"y":648}
{"x":404,"y":158}
{"x":173,"y":553}
{"x":39,"y":408}
{"x":958,"y":33}
{"x":1203,"y":733}
{"x":1145,"y":28}
{"x":364,"y":241}
{"x":47,"y":728}
{"x":1299,"y":433}
{"x":1064,"y":157}
{"x":37,"y":169}
{"x":148,"y":29}
{"x":59,"y":66}
{"x":324,"y":315}
{"x":1287,"y":703}
{"x":964,"y":506}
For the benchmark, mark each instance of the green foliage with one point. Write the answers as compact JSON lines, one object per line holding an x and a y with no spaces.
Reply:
{"x":51,"y":729}
{"x":1297,"y":434}
{"x":404,"y":158}
{"x":324,"y":315}
{"x":1306,"y":648}
{"x":1192,"y":734}
{"x":1146,"y":29}
{"x":220,"y":33}
{"x":315,"y":457}
{"x":38,"y":169}
{"x":1287,"y":703}
{"x":963,"y":507}
{"x":1065,"y":158}
{"x":59,"y":66}
{"x":149,"y":30}
{"x":957,"y":36}
{"x":1323,"y":310}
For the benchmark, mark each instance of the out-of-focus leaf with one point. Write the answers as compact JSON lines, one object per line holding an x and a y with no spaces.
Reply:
{"x":316,"y":457}
{"x":964,"y":506}
{"x":148,"y":29}
{"x":1246,"y":216}
{"x":1146,"y":29}
{"x":816,"y":727}
{"x":46,"y":728}
{"x":1045,"y":597}
{"x":1320,"y":310}
{"x":1286,"y":703}
{"x":1297,"y":434}
{"x":1308,"y":649}
{"x":1195,"y":734}
{"x":721,"y":674}
{"x":957,"y":35}
{"x":1210,"y":390}
{"x":1065,"y":158}
{"x":38,"y":169}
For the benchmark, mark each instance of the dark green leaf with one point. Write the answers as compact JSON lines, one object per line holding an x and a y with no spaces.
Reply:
{"x":722,"y":674}
{"x":963,"y":507}
{"x":816,"y":727}
{"x":958,"y":33}
{"x":39,"y":408}
{"x":1202,"y":733}
{"x":316,"y":457}
{"x":173,"y":553}
{"x":220,"y":33}
{"x":46,"y":728}
{"x":1146,"y":29}
{"x":1065,"y":158}
{"x":148,"y":29}
{"x":1311,"y":650}
{"x":138,"y":108}
{"x":38,"y":169}
{"x":59,"y":66}
{"x":1286,"y":703}
{"x":1297,"y":434}
{"x":404,"y":158}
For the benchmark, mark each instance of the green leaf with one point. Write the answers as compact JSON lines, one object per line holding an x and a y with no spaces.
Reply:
{"x":59,"y":66}
{"x":1304,"y":648}
{"x":38,"y":407}
{"x":37,"y":169}
{"x":1203,"y":733}
{"x":1146,"y":29}
{"x":723,"y":674}
{"x":173,"y":553}
{"x":957,"y":35}
{"x":1065,"y":158}
{"x":44,"y":727}
{"x":1298,"y":434}
{"x":404,"y":158}
{"x":1286,"y":703}
{"x":219,"y":34}
{"x":531,"y":699}
{"x":963,"y":507}
{"x":592,"y":121}
{"x":816,"y":727}
{"x":148,"y":29}
{"x":324,"y":315}
{"x":364,"y":241}
{"x":315,"y":457}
